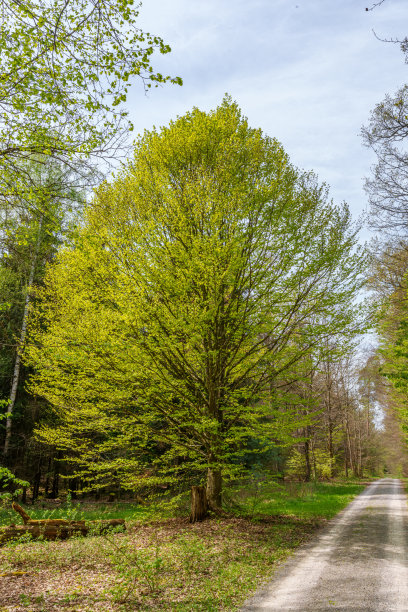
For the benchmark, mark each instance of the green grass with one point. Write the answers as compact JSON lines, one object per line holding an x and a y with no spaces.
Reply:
{"x":303,"y":500}
{"x":75,"y":511}
{"x":169,"y":564}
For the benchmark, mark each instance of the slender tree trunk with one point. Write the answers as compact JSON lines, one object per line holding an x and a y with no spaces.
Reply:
{"x":330,"y":418}
{"x":314,"y":471}
{"x":353,"y":469}
{"x":306,"y":448}
{"x":346,"y":455}
{"x":214,"y":474}
{"x":360,"y":453}
{"x":17,"y":364}
{"x":37,"y":481}
{"x":55,"y":480}
{"x":47,"y":479}
{"x":73,"y":488}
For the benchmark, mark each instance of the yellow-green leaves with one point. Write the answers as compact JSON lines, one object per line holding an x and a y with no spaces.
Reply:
{"x":205,"y":272}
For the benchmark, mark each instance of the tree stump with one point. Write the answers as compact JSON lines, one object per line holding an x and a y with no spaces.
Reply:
{"x":199,"y":504}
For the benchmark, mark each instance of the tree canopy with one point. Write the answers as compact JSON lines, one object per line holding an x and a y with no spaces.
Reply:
{"x":203,"y":274}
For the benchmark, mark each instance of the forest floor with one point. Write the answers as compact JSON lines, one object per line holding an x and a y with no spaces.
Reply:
{"x":167,"y":564}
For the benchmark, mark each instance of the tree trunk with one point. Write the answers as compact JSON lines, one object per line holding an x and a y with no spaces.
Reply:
{"x":350,"y":452}
{"x":360,"y":453}
{"x":346,"y":456}
{"x":37,"y":482}
{"x":55,"y":480}
{"x":329,"y":383}
{"x":199,"y":505}
{"x":47,"y":480}
{"x":214,"y":489}
{"x":307,"y":460}
{"x":73,"y":488}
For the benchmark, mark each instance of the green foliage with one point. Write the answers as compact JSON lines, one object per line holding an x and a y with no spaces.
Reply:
{"x":8,"y":479}
{"x":10,"y":487}
{"x":394,"y":368}
{"x":32,"y":227}
{"x":65,"y":71}
{"x":322,"y":464}
{"x":166,"y":336}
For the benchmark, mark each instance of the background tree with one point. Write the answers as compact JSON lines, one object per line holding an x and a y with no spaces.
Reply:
{"x":388,"y":283}
{"x":386,"y":134}
{"x":32,"y":231}
{"x":65,"y":70}
{"x":202,"y":276}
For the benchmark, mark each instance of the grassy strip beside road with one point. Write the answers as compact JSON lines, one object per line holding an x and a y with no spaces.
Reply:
{"x":170,"y":564}
{"x":302,"y":500}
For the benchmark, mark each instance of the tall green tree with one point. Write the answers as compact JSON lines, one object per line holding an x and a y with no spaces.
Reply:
{"x":203,"y":274}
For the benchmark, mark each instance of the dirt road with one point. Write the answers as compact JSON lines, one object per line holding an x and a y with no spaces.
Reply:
{"x":358,"y":564}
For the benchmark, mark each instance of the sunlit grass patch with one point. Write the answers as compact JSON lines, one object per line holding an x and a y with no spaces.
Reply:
{"x":76,"y":511}
{"x":300,"y":499}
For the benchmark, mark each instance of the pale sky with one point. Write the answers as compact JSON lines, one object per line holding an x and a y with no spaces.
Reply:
{"x":308,"y":72}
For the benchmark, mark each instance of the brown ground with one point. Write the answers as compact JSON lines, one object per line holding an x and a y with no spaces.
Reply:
{"x":169,"y":565}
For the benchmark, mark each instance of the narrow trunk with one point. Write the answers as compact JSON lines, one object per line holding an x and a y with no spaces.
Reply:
{"x":351,"y":458}
{"x":307,"y":460}
{"x":346,"y":457}
{"x":55,"y":480}
{"x":214,"y":487}
{"x":73,"y":488}
{"x":330,"y":423}
{"x":17,"y":364}
{"x":331,"y":449}
{"x":37,"y":483}
{"x":47,"y":480}
{"x":360,"y":453}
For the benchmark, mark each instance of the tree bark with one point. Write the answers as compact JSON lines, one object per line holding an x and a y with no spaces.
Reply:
{"x":37,"y":481}
{"x":55,"y":480}
{"x":199,"y":504}
{"x":214,"y":489}
{"x":306,"y":449}
{"x":47,"y":480}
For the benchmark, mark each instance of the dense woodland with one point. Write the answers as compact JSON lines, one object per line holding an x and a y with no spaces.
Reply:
{"x":197,"y":318}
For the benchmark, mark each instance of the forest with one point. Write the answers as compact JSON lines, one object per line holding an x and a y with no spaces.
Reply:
{"x":184,"y":335}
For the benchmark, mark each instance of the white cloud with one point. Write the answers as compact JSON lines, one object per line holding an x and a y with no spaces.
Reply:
{"x":305,"y":71}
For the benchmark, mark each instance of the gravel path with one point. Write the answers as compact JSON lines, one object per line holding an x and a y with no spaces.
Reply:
{"x":358,"y":564}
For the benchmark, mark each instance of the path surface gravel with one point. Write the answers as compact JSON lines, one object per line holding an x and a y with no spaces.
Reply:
{"x":358,"y":564}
